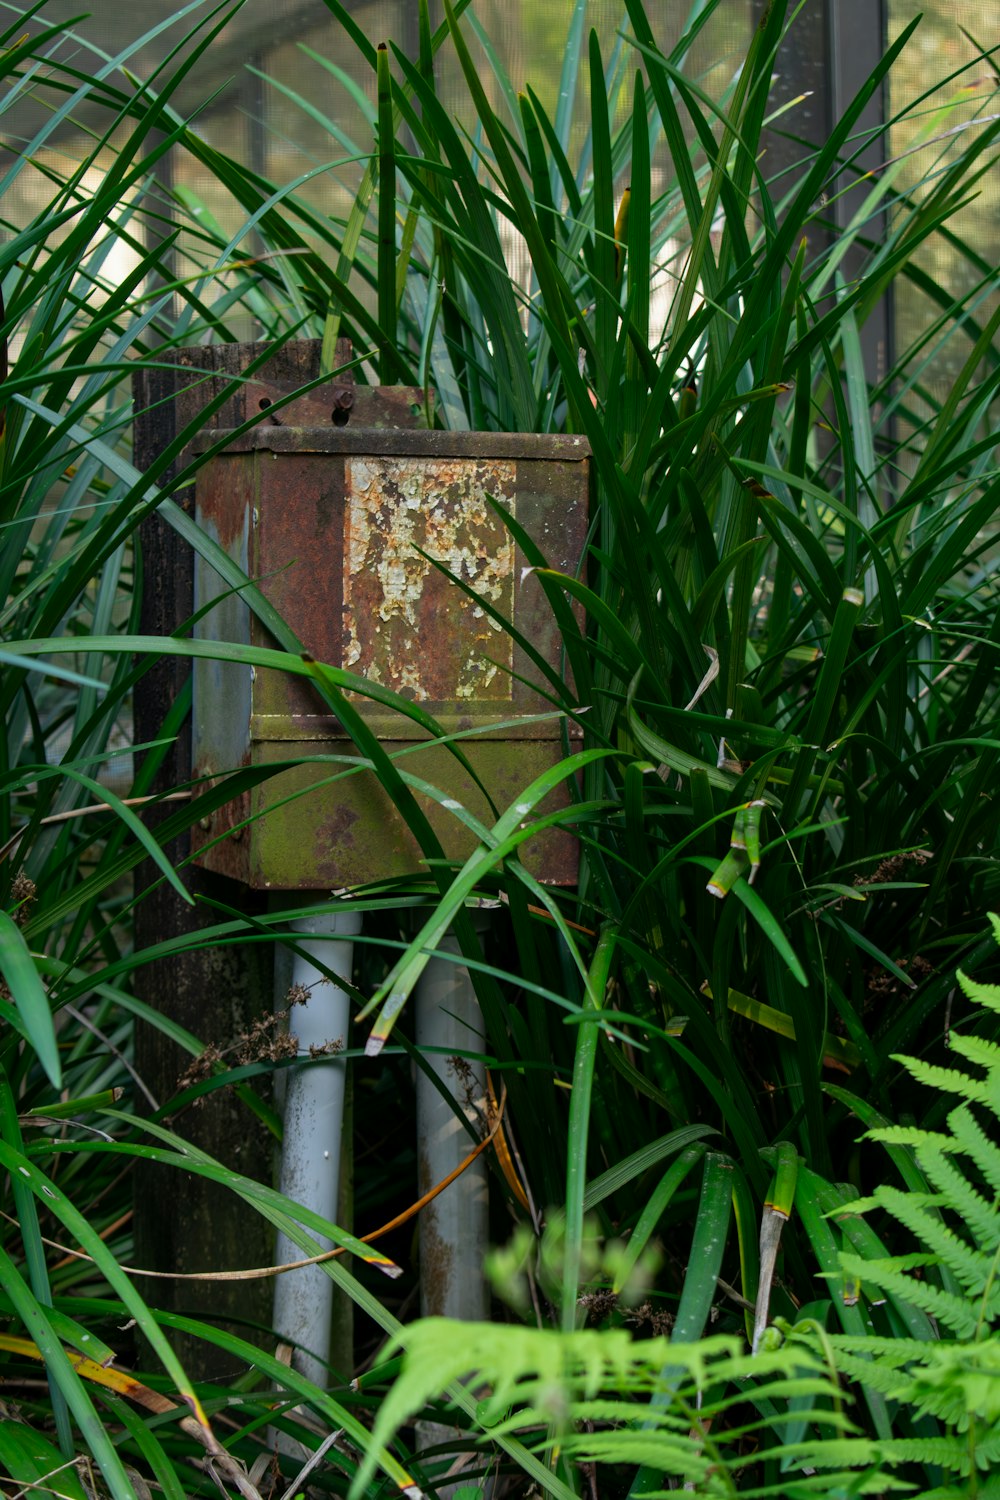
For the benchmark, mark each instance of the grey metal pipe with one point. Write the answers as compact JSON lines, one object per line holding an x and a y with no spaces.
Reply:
{"x":313,"y":1129}
{"x":454,"y":1227}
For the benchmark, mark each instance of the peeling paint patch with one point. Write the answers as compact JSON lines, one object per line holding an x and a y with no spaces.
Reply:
{"x":405,"y":624}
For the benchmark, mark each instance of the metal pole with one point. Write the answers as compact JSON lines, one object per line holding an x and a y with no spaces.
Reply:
{"x":313,"y":1130}
{"x":454,"y":1226}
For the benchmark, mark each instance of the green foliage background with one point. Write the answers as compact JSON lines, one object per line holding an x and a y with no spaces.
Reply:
{"x":783,"y":661}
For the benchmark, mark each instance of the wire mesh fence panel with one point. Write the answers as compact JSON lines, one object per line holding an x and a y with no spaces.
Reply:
{"x":944,"y":91}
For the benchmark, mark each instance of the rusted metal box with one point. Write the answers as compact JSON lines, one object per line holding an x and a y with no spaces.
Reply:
{"x":341,"y":528}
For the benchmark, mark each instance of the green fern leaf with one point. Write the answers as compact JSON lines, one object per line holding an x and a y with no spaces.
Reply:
{"x":945,"y":1452}
{"x":905,"y":1135}
{"x":973,"y":1140}
{"x":895,"y":1352}
{"x":827,"y":1453}
{"x":953,"y":1383}
{"x":977,"y":1049}
{"x":889,"y":1382}
{"x":955,"y":1313}
{"x":988,"y":1491}
{"x":951,"y":1081}
{"x":918,"y":1260}
{"x":982,"y":994}
{"x":961,"y":1382}
{"x":649,"y":1449}
{"x":548,"y":1387}
{"x":980,"y":1217}
{"x":971,"y":1267}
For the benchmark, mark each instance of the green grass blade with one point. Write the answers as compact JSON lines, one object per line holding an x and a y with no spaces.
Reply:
{"x":386,"y":218}
{"x":700,"y":1283}
{"x":68,"y":1382}
{"x":31,"y":1013}
{"x":579,"y":1119}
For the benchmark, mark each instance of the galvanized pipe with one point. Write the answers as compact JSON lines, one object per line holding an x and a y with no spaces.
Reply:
{"x":313,"y":1129}
{"x":454,"y":1226}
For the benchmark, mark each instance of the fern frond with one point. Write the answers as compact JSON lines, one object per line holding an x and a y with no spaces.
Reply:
{"x":951,"y":1081}
{"x":613,"y":1410}
{"x":955,"y":1313}
{"x":982,"y":994}
{"x":970,"y":1267}
{"x":980,"y":1217}
{"x":952,"y":1382}
{"x":769,"y":1416}
{"x":978,"y":1049}
{"x":906,"y":1135}
{"x":838,"y":1483}
{"x":990,"y":1490}
{"x":891,"y":1351}
{"x":917,"y":1260}
{"x":651,"y":1450}
{"x":544,"y":1383}
{"x":960,"y":1382}
{"x":973,"y":1140}
{"x":887,"y":1380}
{"x":947,"y":1452}
{"x":827,"y":1453}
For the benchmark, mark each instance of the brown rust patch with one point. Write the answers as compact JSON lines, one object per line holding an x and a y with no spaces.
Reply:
{"x":223,"y":822}
{"x":406,"y":624}
{"x":336,"y":834}
{"x":436,"y":1256}
{"x":339,"y":526}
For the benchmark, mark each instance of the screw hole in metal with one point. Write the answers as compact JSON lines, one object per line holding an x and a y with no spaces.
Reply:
{"x":339,"y":417}
{"x":264,"y":402}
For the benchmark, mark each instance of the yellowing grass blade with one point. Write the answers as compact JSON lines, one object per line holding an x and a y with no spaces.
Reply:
{"x":777,"y":1210}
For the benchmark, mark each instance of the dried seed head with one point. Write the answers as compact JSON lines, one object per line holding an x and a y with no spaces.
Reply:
{"x":23,"y":892}
{"x":892,"y":868}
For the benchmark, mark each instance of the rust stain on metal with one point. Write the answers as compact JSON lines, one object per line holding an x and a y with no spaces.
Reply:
{"x":337,"y":402}
{"x":405,"y":623}
{"x":339,"y":830}
{"x":436,"y":1255}
{"x":341,"y":527}
{"x":227,"y":858}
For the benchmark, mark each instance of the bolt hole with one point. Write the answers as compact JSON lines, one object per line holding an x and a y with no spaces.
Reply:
{"x":264,"y":402}
{"x":340,"y":418}
{"x":416,"y":409}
